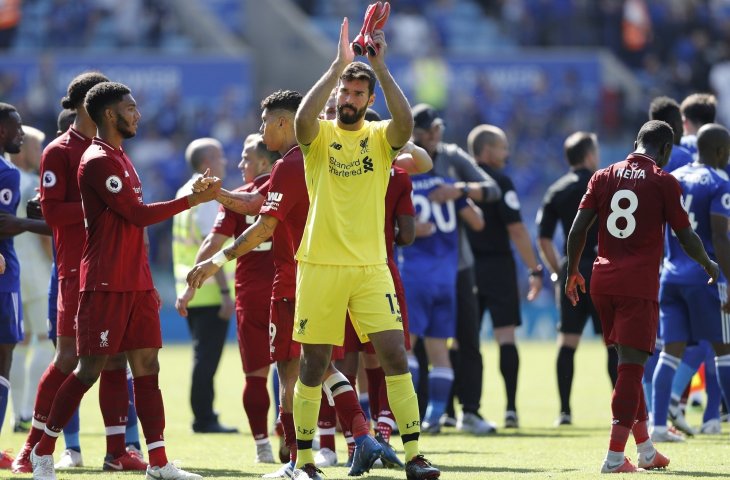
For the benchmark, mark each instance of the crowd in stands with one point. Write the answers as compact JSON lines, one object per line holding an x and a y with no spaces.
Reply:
{"x":670,"y":46}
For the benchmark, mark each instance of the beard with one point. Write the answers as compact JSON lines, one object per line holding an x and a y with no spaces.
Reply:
{"x":124,"y":128}
{"x":13,"y":147}
{"x":350,"y":118}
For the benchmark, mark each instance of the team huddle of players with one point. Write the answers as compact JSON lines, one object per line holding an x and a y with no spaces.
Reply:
{"x":318,"y":279}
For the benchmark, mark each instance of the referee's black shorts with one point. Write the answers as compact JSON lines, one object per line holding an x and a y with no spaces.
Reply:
{"x":573,"y":319}
{"x":497,"y":289}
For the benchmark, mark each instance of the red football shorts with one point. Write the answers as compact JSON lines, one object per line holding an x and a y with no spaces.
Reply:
{"x":281,"y":326}
{"x":113,"y":322}
{"x":68,"y":306}
{"x":253,"y":338}
{"x":628,"y":321}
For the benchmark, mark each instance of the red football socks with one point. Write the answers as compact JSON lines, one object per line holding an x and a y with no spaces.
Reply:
{"x":114,"y":404}
{"x":66,"y":401}
{"x":290,"y":433}
{"x":326,"y":423}
{"x":47,"y":387}
{"x":151,"y":413}
{"x":256,"y":404}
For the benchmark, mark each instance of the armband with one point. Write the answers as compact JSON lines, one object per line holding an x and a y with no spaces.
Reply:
{"x":219,"y":259}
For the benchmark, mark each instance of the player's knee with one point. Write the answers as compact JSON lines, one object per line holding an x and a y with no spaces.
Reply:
{"x":65,"y":360}
{"x":116,"y":362}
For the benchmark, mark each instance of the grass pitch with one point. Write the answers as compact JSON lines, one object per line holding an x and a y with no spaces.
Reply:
{"x":536,"y":450}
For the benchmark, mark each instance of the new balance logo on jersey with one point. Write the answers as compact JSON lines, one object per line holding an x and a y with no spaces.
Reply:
{"x":104,"y":337}
{"x":336,"y":146}
{"x":302,"y":326}
{"x":367,"y":164}
{"x":364,"y":146}
{"x":274,"y":197}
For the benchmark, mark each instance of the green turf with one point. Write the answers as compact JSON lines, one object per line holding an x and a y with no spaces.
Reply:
{"x":536,"y":450}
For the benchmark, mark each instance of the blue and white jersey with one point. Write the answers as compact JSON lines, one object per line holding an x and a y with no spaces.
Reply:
{"x":433,"y":259}
{"x":689,"y":142}
{"x":9,"y":200}
{"x":705,"y":192}
{"x":679,"y":158}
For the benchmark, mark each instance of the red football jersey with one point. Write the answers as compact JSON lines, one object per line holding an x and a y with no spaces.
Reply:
{"x":398,"y":201}
{"x":114,"y":256}
{"x":61,"y":198}
{"x":255,"y":270}
{"x":634,"y":200}
{"x":288,"y":202}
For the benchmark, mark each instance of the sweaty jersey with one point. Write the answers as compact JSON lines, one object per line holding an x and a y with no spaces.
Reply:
{"x":633,"y":200}
{"x":679,"y":157}
{"x":705,"y":192}
{"x":287,"y":201}
{"x":61,"y":198}
{"x":9,"y":199}
{"x":114,"y":256}
{"x":560,"y":205}
{"x":255,"y":270}
{"x":347,"y":175}
{"x":433,"y":259}
{"x":397,"y":202}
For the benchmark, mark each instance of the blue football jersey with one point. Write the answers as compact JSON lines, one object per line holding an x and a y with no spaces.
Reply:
{"x":689,"y":142}
{"x":9,"y":199}
{"x":679,"y":158}
{"x":705,"y":192}
{"x":434,"y":258}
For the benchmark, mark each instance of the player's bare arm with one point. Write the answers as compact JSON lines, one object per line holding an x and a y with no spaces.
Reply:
{"x":251,"y":238}
{"x":576,"y":242}
{"x":306,"y":125}
{"x":10,"y":226}
{"x":472,"y":216}
{"x":405,"y":230}
{"x":211,"y":244}
{"x":400,"y":129}
{"x":245,"y":203}
{"x":521,"y":239}
{"x":721,"y":242}
{"x":2,"y":264}
{"x":413,"y":159}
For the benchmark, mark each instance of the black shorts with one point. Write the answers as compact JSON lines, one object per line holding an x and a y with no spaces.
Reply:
{"x":573,"y":319}
{"x":498,"y":291}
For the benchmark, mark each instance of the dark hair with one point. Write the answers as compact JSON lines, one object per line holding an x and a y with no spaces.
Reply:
{"x":360,"y":71}
{"x":578,"y":145}
{"x":372,"y":116}
{"x":79,"y":87}
{"x":101,"y":96}
{"x":699,"y":108}
{"x":65,"y":119}
{"x":5,"y":110}
{"x":261,"y":149}
{"x":667,"y":110}
{"x":288,"y":100}
{"x":655,"y":134}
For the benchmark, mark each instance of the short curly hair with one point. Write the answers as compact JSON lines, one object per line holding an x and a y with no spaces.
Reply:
{"x":101,"y":96}
{"x":288,"y":100}
{"x":79,"y":87}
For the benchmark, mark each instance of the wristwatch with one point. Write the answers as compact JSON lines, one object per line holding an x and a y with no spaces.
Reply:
{"x":536,"y":272}
{"x":465,"y":190}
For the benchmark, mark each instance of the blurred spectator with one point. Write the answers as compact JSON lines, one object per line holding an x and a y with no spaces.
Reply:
{"x":9,"y":20}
